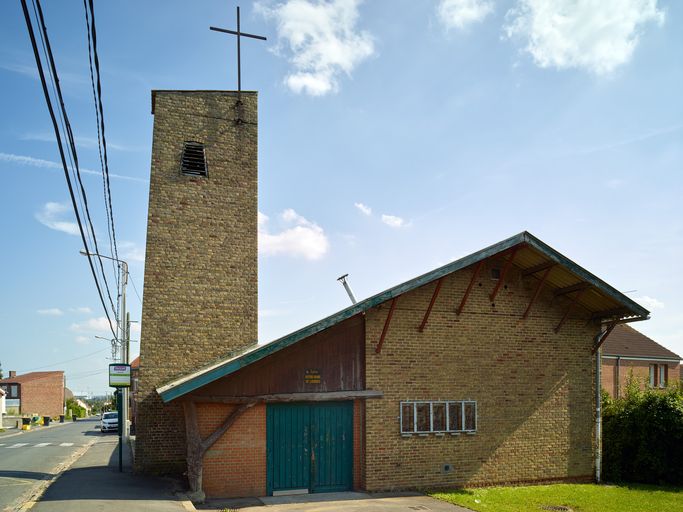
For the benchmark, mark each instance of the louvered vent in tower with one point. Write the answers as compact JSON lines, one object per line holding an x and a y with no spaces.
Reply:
{"x":193,"y":162}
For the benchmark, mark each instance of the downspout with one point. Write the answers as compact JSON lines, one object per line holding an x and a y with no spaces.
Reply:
{"x":617,"y":393}
{"x":598,"y":413}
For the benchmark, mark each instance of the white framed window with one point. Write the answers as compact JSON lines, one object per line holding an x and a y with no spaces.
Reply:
{"x":662,"y":375}
{"x":438,"y":417}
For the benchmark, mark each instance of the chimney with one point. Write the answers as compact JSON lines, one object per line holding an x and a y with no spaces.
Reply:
{"x":12,"y":374}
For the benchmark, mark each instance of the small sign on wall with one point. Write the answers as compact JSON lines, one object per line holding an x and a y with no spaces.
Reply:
{"x":119,"y":375}
{"x":312,"y":376}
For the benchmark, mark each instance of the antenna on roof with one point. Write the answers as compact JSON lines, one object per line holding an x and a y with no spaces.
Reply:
{"x":342,"y":280}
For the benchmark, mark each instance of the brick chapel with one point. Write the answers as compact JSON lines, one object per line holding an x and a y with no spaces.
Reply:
{"x":480,"y":372}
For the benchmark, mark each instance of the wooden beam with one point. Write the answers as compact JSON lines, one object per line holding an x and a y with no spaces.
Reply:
{"x":603,"y":337}
{"x":431,"y":305}
{"x":503,"y":273}
{"x":197,"y":448}
{"x":538,"y":268}
{"x":537,"y":292}
{"x":330,"y":396}
{"x":569,"y":308}
{"x":583,"y":285}
{"x":469,"y":287}
{"x":378,"y":349}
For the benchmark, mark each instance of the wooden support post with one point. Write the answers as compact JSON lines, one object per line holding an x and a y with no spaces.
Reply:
{"x":469,"y":287}
{"x":503,"y":272}
{"x":431,"y":305}
{"x":537,"y":292}
{"x":569,"y":308}
{"x":196,"y":447}
{"x":378,"y":349}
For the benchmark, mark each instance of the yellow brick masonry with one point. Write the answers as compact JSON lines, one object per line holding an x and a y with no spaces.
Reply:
{"x":200,"y":300}
{"x":534,"y":388}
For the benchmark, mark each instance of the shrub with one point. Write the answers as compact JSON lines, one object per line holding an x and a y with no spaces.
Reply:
{"x":77,"y":410}
{"x":642,"y":435}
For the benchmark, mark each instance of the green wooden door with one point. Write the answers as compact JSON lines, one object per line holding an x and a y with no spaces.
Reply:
{"x":310,"y":446}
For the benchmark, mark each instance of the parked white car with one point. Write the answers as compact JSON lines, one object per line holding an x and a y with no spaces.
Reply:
{"x":109,"y":422}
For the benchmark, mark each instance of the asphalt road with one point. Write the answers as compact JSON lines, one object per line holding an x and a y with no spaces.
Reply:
{"x":30,"y":458}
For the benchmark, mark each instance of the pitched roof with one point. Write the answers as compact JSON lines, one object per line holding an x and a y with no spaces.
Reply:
{"x":626,"y":341}
{"x":27,"y":377}
{"x":529,"y":254}
{"x":135,"y":363}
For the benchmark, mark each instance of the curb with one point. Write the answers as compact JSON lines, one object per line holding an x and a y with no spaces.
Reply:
{"x":32,"y":496}
{"x":41,"y":429}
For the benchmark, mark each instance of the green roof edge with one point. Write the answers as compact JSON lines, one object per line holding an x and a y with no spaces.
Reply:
{"x":170,"y":391}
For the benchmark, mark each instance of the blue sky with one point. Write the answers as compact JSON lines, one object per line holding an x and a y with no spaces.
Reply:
{"x":394,"y":136}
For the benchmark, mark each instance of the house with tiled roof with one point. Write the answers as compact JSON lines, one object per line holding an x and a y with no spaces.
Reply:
{"x":39,"y":393}
{"x":628,"y":352}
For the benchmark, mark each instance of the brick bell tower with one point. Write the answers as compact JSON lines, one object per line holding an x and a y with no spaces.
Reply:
{"x":200,"y":299}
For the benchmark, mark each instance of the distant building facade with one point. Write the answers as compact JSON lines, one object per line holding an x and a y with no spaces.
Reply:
{"x":34,"y":393}
{"x":628,"y":352}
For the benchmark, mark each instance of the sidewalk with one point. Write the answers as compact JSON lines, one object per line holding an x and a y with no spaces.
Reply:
{"x":93,"y":483}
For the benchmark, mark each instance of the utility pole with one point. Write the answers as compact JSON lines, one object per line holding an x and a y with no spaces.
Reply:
{"x":125,"y":344}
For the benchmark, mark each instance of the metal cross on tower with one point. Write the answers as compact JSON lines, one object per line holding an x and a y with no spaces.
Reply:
{"x":239,"y":35}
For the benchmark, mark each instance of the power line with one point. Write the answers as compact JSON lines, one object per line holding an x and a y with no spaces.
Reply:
{"x":72,"y":143}
{"x":105,"y":168}
{"x":66,"y":360}
{"x":39,"y":64}
{"x":135,"y":288}
{"x":101,"y":119}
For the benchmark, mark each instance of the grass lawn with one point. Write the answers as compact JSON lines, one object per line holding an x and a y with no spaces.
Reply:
{"x":579,"y":498}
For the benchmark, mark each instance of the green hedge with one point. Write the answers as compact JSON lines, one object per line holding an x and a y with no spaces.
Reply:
{"x":642,"y":436}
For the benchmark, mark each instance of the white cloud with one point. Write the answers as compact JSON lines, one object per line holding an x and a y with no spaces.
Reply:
{"x":650,"y":302}
{"x":84,"y":309}
{"x":51,"y":215}
{"x":81,"y":142}
{"x":321,"y":39}
{"x":51,"y":312}
{"x":597,"y":35}
{"x":460,"y":13}
{"x":98,"y":324}
{"x":366,"y":210}
{"x":304,"y":239}
{"x":393,"y":221}
{"x":129,"y":251}
{"x":48,"y":164}
{"x":82,"y":340}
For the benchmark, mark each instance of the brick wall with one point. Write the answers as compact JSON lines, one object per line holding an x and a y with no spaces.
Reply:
{"x":640,"y":370}
{"x":44,"y":396}
{"x":235,"y":466}
{"x":200,"y":297}
{"x":534,"y":388}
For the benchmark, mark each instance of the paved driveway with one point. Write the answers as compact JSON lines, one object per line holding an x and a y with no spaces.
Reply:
{"x":347,"y":501}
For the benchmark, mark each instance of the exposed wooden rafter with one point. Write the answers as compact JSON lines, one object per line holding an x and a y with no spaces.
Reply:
{"x":378,"y":348}
{"x":538,"y":291}
{"x":431,"y":305}
{"x":475,"y":274}
{"x":538,"y":268}
{"x":609,"y":313}
{"x":573,"y":288}
{"x":503,"y":273}
{"x":570,"y":307}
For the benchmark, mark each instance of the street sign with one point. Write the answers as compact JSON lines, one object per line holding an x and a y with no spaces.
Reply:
{"x":119,"y":375}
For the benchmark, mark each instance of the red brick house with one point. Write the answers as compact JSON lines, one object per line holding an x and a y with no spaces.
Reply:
{"x":627,"y":352}
{"x":35,"y":393}
{"x":479,"y":372}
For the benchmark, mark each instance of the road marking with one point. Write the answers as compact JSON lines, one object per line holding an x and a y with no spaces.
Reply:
{"x":66,"y":444}
{"x":17,"y":445}
{"x":40,"y":445}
